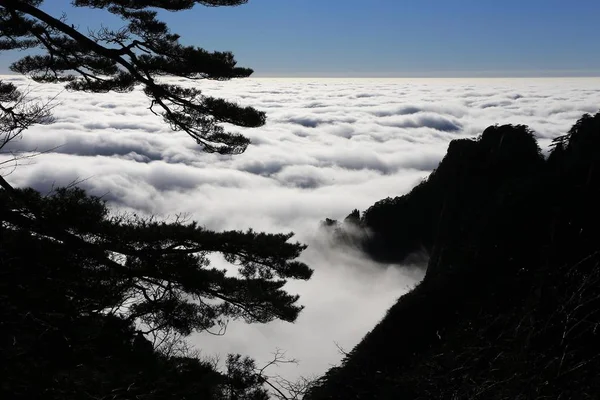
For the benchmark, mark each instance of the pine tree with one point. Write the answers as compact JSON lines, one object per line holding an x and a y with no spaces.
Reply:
{"x":154,"y":256}
{"x":82,"y":287}
{"x":140,"y":53}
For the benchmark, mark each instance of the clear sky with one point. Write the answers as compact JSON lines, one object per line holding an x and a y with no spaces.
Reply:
{"x":389,"y":37}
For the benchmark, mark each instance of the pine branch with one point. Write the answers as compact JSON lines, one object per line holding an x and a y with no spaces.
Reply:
{"x":102,"y":69}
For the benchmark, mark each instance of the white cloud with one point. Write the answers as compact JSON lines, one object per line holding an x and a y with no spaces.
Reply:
{"x":329,"y":146}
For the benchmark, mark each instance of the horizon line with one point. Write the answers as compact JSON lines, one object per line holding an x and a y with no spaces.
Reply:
{"x":420,"y":76}
{"x":383,"y":76}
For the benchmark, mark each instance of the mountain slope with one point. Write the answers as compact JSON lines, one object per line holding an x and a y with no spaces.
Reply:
{"x":509,"y":305}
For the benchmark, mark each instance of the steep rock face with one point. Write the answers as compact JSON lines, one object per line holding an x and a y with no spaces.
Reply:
{"x":511,"y":296}
{"x":449,"y":201}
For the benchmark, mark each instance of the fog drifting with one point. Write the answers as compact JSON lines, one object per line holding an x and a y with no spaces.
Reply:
{"x":329,"y":146}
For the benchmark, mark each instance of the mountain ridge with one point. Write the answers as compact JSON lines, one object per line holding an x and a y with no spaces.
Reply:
{"x":513,"y":268}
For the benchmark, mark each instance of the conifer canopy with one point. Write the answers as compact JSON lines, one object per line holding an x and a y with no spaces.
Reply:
{"x":140,"y":53}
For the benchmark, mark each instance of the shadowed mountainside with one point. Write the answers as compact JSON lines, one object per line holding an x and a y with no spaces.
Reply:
{"x":449,"y":201}
{"x":509,"y":307}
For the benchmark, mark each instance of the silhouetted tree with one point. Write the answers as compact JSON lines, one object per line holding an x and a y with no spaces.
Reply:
{"x":77,"y":281}
{"x":17,"y":113}
{"x":158,"y":272}
{"x":140,"y":53}
{"x":82,"y":288}
{"x":242,"y":381}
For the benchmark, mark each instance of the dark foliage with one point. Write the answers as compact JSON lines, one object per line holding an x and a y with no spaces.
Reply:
{"x":510,"y":305}
{"x":140,"y":53}
{"x":17,"y":113}
{"x":82,"y":290}
{"x":76,"y":282}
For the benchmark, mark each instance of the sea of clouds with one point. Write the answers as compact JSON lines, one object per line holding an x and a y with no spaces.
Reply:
{"x":329,"y":146}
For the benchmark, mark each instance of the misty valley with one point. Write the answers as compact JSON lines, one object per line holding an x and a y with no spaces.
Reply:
{"x":173,"y":227}
{"x":495,"y":249}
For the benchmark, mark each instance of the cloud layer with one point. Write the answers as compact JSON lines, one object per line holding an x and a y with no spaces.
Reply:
{"x":329,"y":146}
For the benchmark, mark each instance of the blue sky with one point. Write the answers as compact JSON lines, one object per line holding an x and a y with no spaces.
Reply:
{"x":389,"y":37}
